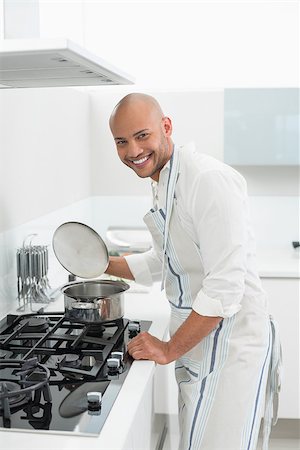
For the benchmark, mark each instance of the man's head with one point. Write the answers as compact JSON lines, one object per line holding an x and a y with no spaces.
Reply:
{"x":142,"y":134}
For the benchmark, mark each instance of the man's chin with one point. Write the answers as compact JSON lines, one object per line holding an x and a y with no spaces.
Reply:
{"x":144,"y":172}
{"x":140,"y":174}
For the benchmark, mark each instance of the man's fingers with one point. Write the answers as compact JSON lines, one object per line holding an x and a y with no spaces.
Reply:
{"x":138,"y":346}
{"x":146,"y":346}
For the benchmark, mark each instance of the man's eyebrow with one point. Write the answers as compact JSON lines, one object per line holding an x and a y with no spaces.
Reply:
{"x":140,"y":131}
{"x":134,"y":134}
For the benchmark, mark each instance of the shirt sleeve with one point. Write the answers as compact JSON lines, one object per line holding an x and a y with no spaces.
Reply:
{"x":145,"y":267}
{"x":219,"y":213}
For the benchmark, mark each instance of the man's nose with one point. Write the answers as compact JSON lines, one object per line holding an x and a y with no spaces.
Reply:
{"x":134,"y":149}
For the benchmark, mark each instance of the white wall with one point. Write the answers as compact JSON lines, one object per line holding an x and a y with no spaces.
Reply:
{"x":186,"y":44}
{"x":44,"y":170}
{"x":44,"y":152}
{"x":272,"y":181}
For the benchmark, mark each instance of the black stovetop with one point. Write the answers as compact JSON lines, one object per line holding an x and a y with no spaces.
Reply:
{"x":53,"y":372}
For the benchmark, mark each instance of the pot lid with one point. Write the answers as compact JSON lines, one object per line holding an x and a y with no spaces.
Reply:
{"x":80,"y":250}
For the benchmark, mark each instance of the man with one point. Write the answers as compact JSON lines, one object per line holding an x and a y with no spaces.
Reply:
{"x":203,"y":251}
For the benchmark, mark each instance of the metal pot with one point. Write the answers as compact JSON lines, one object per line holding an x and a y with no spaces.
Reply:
{"x":94,"y":301}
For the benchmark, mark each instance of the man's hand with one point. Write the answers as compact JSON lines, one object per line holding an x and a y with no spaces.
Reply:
{"x":146,"y":346}
{"x":189,"y":334}
{"x":119,"y":268}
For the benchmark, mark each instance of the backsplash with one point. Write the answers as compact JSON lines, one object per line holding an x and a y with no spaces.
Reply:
{"x":275,"y":221}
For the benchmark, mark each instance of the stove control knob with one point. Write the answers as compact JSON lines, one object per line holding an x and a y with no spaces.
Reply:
{"x":113,"y":364}
{"x":119,"y":355}
{"x":94,"y":400}
{"x":134,"y":328}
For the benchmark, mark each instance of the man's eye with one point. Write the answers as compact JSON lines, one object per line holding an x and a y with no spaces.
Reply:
{"x":142,"y":135}
{"x":121,"y":142}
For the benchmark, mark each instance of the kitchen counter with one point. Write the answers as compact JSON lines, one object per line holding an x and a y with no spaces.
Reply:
{"x":139,"y":304}
{"x":278,"y":262}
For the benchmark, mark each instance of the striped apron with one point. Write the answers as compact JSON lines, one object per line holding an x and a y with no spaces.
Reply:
{"x":224,"y":381}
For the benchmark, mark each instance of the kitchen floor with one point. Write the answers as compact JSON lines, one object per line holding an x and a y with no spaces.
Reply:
{"x":285,"y":436}
{"x":171,"y":443}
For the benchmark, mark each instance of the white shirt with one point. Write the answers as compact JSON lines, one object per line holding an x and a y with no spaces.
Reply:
{"x":212,"y":206}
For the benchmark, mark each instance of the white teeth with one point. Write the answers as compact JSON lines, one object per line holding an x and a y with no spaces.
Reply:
{"x":140,"y":161}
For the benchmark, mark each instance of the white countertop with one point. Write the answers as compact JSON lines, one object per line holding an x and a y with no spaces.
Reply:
{"x":278,"y":262}
{"x":154,"y":307}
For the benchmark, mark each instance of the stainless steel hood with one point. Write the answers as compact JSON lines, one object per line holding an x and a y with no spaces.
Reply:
{"x":53,"y":62}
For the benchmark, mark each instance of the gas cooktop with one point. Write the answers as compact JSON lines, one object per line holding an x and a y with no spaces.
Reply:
{"x":59,"y":375}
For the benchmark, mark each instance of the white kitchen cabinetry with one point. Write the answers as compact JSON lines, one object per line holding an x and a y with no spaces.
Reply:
{"x":165,"y":390}
{"x":261,"y":127}
{"x":140,"y":435}
{"x":148,"y":427}
{"x":283,"y":294}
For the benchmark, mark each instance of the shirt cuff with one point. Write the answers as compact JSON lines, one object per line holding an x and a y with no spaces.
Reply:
{"x":139,"y":269}
{"x":212,"y":307}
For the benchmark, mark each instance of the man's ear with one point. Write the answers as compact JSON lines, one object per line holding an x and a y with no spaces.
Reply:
{"x":167,"y":126}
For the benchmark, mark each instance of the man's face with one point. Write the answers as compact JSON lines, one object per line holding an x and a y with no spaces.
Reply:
{"x":143,"y":140}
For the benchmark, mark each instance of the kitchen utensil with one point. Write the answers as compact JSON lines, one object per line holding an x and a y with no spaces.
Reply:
{"x":94,"y":301}
{"x":80,"y":250}
{"x":32,"y":269}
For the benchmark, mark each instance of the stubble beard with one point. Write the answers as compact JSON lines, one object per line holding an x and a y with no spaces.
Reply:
{"x":162,"y":160}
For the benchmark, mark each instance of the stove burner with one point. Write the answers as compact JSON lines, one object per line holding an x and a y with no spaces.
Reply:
{"x":95,"y":330}
{"x":32,"y":381}
{"x":35,"y":324}
{"x":69,"y":360}
{"x":16,"y":400}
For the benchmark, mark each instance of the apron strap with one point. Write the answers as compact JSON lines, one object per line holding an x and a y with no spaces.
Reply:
{"x":273,"y":385}
{"x":172,"y":180}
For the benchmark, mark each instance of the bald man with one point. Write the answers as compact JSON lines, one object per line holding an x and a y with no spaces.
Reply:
{"x":222,"y":339}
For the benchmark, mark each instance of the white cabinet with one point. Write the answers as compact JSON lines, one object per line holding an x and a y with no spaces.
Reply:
{"x":283,"y":294}
{"x":261,"y":127}
{"x":165,"y":390}
{"x":140,"y":436}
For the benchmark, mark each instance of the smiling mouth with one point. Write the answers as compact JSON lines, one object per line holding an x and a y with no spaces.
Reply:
{"x":141,"y":161}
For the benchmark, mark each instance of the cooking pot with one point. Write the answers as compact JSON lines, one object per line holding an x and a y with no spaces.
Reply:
{"x":94,"y":301}
{"x":83,"y":253}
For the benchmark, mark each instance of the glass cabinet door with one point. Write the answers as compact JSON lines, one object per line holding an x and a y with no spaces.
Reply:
{"x":261,"y":126}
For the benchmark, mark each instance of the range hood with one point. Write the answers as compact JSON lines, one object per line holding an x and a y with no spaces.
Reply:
{"x":26,"y":63}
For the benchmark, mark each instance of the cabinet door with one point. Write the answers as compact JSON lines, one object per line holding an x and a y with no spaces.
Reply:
{"x":261,"y":126}
{"x":283,"y":294}
{"x":140,"y":436}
